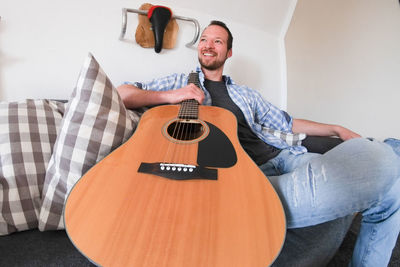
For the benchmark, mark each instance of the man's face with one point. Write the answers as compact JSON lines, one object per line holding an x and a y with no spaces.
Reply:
{"x":212,"y":48}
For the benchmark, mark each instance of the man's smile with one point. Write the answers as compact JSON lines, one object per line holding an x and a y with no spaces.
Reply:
{"x":209,"y":54}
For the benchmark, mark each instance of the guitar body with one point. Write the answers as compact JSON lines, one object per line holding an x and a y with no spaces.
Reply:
{"x":126,"y":212}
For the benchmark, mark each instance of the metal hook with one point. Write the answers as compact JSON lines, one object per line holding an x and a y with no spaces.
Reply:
{"x":144,"y":12}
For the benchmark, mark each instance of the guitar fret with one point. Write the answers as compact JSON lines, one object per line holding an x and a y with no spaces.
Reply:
{"x":190,"y":108}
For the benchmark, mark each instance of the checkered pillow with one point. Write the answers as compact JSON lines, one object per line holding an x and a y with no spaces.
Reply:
{"x":28,"y":130}
{"x":95,"y":123}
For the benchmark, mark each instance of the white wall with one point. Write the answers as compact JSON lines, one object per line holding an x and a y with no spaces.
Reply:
{"x":43,"y":44}
{"x":343,"y":61}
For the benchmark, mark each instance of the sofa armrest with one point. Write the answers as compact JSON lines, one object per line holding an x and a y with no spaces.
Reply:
{"x":321,"y":144}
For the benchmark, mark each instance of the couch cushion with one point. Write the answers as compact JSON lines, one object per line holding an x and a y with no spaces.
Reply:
{"x":28,"y":130}
{"x":95,"y":123}
{"x":320,"y":144}
{"x":313,"y":245}
{"x":35,"y":248}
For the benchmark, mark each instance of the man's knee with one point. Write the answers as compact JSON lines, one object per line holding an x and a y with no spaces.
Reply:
{"x":375,"y":149}
{"x":375,"y":156}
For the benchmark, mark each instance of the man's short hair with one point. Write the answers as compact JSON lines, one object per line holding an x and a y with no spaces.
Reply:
{"x":223,"y":25}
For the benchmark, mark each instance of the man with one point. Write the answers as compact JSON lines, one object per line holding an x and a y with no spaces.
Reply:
{"x":359,"y":175}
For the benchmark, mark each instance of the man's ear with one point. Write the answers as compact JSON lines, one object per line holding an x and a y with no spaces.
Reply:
{"x":229,"y":54}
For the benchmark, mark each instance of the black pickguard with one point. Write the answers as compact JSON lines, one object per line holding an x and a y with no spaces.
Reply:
{"x":216,"y":150}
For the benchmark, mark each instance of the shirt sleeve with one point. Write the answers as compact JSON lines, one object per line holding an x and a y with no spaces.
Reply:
{"x":171,"y":82}
{"x":270,"y":116}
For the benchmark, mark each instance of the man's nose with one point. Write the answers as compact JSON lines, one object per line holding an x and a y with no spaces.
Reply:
{"x":209,"y":44}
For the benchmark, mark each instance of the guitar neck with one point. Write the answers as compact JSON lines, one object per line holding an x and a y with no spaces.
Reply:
{"x":190,"y":108}
{"x":194,"y":78}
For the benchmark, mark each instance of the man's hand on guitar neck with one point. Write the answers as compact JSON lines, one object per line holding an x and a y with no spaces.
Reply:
{"x":134,"y":97}
{"x":190,"y":91}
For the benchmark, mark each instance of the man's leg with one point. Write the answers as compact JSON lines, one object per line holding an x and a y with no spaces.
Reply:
{"x":379,"y":226}
{"x":357,"y":176}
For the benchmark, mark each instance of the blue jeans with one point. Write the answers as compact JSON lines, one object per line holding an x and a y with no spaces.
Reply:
{"x":358,"y":175}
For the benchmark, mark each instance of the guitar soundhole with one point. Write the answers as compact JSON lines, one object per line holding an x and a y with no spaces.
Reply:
{"x":186,"y":130}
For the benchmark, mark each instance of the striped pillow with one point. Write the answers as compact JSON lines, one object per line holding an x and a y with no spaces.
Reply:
{"x":28,"y":130}
{"x":95,"y":123}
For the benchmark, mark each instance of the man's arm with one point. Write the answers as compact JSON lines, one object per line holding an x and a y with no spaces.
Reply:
{"x":322,"y":129}
{"x":134,"y":97}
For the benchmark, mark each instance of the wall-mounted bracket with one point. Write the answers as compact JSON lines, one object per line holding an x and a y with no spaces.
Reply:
{"x":125,"y":11}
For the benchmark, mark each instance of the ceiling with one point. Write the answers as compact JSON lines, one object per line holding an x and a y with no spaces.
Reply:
{"x":267,"y":15}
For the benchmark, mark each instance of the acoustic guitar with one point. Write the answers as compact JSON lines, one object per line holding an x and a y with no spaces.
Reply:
{"x":180,"y":192}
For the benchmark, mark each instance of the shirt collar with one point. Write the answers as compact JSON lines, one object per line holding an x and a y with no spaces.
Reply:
{"x":228,"y":80}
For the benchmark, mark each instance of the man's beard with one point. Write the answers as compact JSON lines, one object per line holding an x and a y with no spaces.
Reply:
{"x":213,"y":65}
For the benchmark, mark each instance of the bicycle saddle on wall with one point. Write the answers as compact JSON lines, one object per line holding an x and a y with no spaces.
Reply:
{"x":159,"y":17}
{"x":149,"y":27}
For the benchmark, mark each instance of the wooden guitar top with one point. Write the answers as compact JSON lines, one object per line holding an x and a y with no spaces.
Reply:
{"x":117,"y":216}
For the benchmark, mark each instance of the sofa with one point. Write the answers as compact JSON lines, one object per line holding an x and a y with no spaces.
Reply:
{"x":53,"y":248}
{"x":47,"y":145}
{"x":330,"y":243}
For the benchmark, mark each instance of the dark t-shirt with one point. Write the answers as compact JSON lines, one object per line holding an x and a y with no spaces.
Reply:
{"x":257,"y":149}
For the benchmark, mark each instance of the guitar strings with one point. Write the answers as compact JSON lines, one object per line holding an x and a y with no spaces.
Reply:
{"x":192,"y":110}
{"x":169,"y":156}
{"x":184,"y":153}
{"x":178,"y":150}
{"x":172,"y":155}
{"x":187,"y":133}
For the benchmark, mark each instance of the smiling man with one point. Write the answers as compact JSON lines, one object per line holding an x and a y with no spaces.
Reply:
{"x":214,"y":49}
{"x":358,"y":175}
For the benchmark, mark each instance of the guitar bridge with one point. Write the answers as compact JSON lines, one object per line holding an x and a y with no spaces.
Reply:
{"x":178,"y":171}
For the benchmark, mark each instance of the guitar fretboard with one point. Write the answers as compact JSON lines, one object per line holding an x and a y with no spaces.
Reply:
{"x":190,"y":108}
{"x":194,"y":78}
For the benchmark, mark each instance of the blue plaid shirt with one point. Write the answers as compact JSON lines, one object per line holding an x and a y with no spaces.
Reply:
{"x":264,"y":119}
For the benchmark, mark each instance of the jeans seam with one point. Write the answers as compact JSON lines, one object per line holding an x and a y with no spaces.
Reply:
{"x":368,"y":249}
